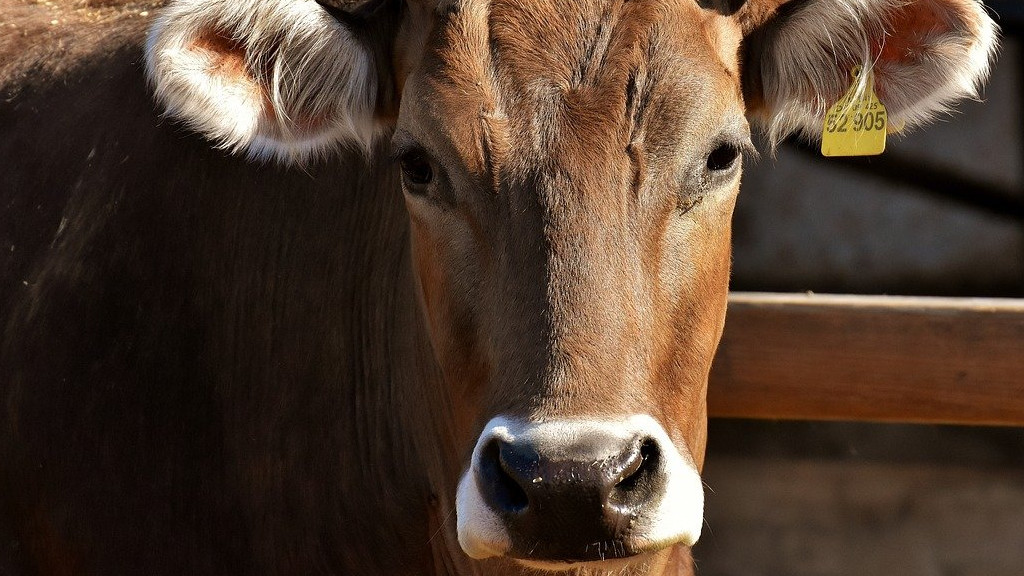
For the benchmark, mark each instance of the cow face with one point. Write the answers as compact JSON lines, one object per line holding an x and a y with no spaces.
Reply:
{"x":569,"y":170}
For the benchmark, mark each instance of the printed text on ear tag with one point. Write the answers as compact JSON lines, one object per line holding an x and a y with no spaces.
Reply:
{"x":857,"y":123}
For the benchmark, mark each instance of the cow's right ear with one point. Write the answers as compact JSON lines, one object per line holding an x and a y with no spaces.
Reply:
{"x":273,"y":79}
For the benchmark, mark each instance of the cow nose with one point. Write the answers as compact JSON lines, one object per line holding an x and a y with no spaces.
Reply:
{"x":570,"y":501}
{"x":556,"y":493}
{"x":604,"y":479}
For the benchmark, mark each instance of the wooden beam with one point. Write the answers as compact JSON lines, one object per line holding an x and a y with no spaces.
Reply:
{"x":876,"y":358}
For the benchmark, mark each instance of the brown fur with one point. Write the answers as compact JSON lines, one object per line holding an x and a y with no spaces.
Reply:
{"x":211,"y":367}
{"x":570,"y":292}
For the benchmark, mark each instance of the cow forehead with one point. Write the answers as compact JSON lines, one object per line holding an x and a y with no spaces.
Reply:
{"x":577,"y":43}
{"x":539,"y":76}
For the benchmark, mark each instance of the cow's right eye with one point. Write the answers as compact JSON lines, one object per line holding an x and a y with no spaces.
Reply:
{"x":723,"y":157}
{"x":416,"y":169}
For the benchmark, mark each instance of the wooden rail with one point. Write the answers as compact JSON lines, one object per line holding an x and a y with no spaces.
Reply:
{"x":876,"y":358}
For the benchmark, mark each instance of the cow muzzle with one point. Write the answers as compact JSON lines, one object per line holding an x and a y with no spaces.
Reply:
{"x":559,"y":493}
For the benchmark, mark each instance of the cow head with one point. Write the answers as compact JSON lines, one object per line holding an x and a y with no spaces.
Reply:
{"x":569,"y":169}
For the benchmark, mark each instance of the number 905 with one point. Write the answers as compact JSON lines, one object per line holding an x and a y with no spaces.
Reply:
{"x":869,"y":121}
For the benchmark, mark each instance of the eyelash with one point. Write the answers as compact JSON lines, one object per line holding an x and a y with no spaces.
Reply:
{"x":723,"y":157}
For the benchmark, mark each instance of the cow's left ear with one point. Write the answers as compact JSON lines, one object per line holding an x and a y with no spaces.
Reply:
{"x":275,"y":79}
{"x":798,"y":57}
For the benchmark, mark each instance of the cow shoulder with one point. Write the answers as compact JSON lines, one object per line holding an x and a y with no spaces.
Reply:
{"x":40,"y":41}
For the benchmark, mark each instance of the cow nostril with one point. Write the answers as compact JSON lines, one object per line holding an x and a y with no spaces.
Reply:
{"x":639,"y":469}
{"x":500,"y":487}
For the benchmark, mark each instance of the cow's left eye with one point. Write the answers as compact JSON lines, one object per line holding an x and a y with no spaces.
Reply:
{"x":723,"y":157}
{"x":416,"y":169}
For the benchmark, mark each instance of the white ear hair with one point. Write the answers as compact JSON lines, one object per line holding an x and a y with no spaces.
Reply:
{"x":804,"y":61}
{"x":273,"y":79}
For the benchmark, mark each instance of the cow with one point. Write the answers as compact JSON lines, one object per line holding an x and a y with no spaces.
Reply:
{"x":387,"y":287}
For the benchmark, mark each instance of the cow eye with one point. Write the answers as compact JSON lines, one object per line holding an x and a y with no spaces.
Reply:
{"x":723,"y":157}
{"x":416,"y":169}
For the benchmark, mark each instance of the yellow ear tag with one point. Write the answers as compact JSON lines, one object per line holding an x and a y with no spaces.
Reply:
{"x":856,"y":125}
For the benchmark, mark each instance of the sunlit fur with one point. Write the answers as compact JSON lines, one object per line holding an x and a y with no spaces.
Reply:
{"x":298,"y":85}
{"x":316,"y":70}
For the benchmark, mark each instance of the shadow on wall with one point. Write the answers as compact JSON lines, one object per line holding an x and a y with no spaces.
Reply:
{"x":804,"y":222}
{"x":837,"y":499}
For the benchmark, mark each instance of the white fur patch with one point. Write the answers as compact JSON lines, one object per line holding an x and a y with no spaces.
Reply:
{"x":799,"y":85}
{"x":677,"y":518}
{"x":306,"y":86}
{"x":481,"y":532}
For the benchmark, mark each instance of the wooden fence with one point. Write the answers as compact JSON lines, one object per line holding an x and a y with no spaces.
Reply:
{"x":873,"y":358}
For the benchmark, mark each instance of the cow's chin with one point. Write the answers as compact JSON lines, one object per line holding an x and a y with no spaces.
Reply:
{"x":617,"y":565}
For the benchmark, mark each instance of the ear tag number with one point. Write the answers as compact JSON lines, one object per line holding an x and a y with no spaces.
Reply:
{"x":856,"y":125}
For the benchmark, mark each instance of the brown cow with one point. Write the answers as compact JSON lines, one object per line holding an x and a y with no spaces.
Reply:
{"x":468,"y":332}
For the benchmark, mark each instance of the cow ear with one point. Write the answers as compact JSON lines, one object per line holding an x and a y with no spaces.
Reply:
{"x":273,"y":79}
{"x":798,"y":57}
